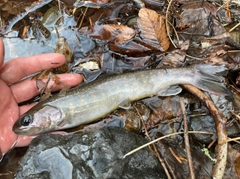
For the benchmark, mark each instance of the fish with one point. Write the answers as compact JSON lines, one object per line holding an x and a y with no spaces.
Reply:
{"x":89,"y":102}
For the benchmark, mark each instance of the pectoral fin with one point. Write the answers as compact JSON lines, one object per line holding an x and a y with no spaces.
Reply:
{"x":170,"y":91}
{"x":125,"y":104}
{"x":62,"y":123}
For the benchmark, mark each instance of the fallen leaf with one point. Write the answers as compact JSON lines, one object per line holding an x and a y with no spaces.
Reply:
{"x":237,"y":165}
{"x":153,"y":29}
{"x":129,"y":47}
{"x":233,"y":163}
{"x":176,"y":58}
{"x":100,"y":1}
{"x":78,"y":2}
{"x":110,"y":32}
{"x":119,"y":33}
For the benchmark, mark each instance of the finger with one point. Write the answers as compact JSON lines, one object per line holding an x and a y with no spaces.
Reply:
{"x":16,"y":69}
{"x":1,"y":53}
{"x":23,"y":141}
{"x":27,"y":89}
{"x":25,"y":108}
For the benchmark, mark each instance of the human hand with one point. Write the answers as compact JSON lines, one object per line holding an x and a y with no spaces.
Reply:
{"x":13,"y":92}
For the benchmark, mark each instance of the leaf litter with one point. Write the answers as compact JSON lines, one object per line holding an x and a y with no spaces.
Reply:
{"x":203,"y":32}
{"x":152,"y":29}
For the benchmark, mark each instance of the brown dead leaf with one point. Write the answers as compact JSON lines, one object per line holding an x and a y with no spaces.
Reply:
{"x":196,"y":12}
{"x":130,"y":47}
{"x":100,"y":1}
{"x":237,"y":165}
{"x":176,"y":58}
{"x":233,"y":163}
{"x":63,"y":48}
{"x":153,"y":29}
{"x":92,"y":1}
{"x":110,"y":32}
{"x":163,"y":110}
{"x":119,"y":33}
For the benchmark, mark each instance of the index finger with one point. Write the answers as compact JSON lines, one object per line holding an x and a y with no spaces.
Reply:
{"x":18,"y":68}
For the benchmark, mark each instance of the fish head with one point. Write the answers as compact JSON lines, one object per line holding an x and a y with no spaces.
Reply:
{"x":37,"y":121}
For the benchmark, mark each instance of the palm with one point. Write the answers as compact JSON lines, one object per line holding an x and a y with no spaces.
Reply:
{"x":13,"y":91}
{"x":9,"y":114}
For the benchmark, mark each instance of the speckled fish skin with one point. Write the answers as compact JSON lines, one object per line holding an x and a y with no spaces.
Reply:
{"x":89,"y":102}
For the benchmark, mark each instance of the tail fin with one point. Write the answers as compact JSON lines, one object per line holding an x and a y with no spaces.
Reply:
{"x":209,"y":77}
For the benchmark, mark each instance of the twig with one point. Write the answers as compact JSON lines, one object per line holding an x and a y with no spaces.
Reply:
{"x":234,"y":27}
{"x":186,"y":139}
{"x":140,"y":116}
{"x":163,"y":137}
{"x":171,"y":170}
{"x":233,"y":51}
{"x":224,"y":4}
{"x":232,"y":139}
{"x":179,"y":159}
{"x":220,"y":121}
{"x":174,"y":31}
{"x":6,"y":174}
{"x":58,"y":35}
{"x":59,"y":7}
{"x":83,"y":15}
{"x":155,"y":149}
{"x":213,"y":141}
{"x":172,"y":120}
{"x":235,"y":115}
{"x":195,"y":58}
{"x":166,"y":22}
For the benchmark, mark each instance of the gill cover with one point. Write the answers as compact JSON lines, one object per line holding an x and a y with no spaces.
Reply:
{"x":37,"y":121}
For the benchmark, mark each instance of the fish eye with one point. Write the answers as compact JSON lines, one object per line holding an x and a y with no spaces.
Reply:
{"x":26,"y":120}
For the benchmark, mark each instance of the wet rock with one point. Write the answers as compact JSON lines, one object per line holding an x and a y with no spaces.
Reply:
{"x":97,"y":154}
{"x":203,"y":123}
{"x":206,"y":123}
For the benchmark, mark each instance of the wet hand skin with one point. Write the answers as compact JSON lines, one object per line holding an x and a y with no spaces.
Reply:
{"x":13,"y":92}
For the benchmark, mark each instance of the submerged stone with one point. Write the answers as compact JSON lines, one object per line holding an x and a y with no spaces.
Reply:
{"x":97,"y":154}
